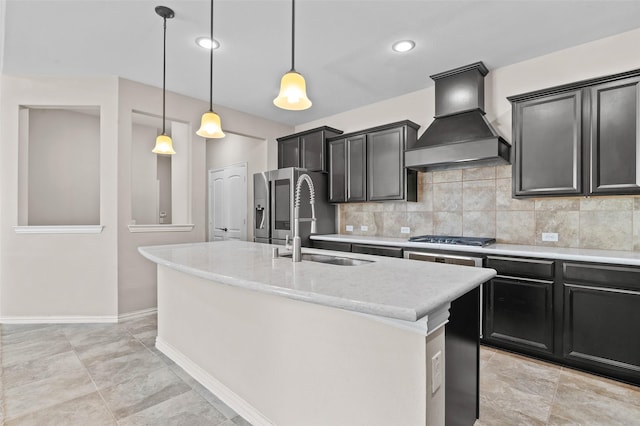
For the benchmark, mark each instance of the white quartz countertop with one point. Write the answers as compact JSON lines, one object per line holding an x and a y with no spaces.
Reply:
{"x":393,"y":288}
{"x":584,"y":255}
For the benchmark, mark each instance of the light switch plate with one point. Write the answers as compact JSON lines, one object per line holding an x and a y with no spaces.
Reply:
{"x":550,"y":236}
{"x":364,"y":228}
{"x":405,"y":230}
{"x":349,"y":228}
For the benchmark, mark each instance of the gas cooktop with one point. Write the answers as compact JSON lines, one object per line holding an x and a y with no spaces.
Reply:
{"x":443,"y":239}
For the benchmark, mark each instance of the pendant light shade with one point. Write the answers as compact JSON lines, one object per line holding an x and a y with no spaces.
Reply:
{"x":210,"y":126}
{"x":164,"y":145}
{"x":293,"y":88}
{"x":293,"y":92}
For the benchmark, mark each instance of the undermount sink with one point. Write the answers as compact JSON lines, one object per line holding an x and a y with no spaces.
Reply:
{"x":332,"y":260}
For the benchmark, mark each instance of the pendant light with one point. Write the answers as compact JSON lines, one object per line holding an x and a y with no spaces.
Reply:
{"x":164,"y":145}
{"x":293,"y":89}
{"x":210,"y":125}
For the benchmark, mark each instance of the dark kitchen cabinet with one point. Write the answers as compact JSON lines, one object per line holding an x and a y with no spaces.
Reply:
{"x":602,"y":319}
{"x":369,"y":165}
{"x":613,"y":137}
{"x":348,"y":169}
{"x":519,"y":304}
{"x":385,"y":164}
{"x":577,"y":139}
{"x":548,"y":145}
{"x":377,"y":250}
{"x":331,"y":245}
{"x":306,"y":149}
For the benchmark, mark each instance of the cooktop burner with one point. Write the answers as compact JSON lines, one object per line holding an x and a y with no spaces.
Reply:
{"x":443,"y":239}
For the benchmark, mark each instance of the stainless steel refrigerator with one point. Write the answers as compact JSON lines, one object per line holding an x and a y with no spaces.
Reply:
{"x":273,"y":202}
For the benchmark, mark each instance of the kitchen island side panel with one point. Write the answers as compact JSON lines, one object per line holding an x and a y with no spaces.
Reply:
{"x":288,"y":362}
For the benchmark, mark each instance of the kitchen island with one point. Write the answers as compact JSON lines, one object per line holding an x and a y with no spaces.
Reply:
{"x":309,"y":343}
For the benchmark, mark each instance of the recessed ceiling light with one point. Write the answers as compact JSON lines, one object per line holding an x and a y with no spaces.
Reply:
{"x":403,"y":46}
{"x":205,"y":43}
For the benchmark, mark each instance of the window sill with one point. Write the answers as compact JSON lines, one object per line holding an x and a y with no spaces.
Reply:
{"x":59,"y":229}
{"x":161,"y":228}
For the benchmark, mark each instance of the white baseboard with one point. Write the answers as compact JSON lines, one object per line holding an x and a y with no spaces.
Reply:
{"x":59,"y":319}
{"x":137,"y":314}
{"x":214,"y":386}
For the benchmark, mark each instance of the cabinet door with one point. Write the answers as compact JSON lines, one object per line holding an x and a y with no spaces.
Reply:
{"x":385,"y":165}
{"x":337,"y":171}
{"x":602,"y":319}
{"x":548,"y":145}
{"x":313,"y":152}
{"x":614,"y":137}
{"x":357,"y":168}
{"x":288,"y":153}
{"x":519,"y":313}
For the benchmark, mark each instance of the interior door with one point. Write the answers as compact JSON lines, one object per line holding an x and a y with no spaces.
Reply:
{"x":228,"y":203}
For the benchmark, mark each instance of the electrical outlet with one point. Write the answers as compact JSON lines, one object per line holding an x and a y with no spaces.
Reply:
{"x":405,"y":230}
{"x":549,"y":236}
{"x":436,"y":371}
{"x":349,"y":228}
{"x":364,"y":228}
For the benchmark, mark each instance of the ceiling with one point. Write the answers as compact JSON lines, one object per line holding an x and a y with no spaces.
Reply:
{"x":343,"y":48}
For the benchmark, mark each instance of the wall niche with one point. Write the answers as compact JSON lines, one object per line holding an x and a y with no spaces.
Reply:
{"x":59,"y":166}
{"x":159,"y":183}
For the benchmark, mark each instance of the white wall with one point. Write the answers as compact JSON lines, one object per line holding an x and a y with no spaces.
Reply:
{"x":57,"y":275}
{"x":63,"y":191}
{"x":136,"y":275}
{"x":234,"y":149}
{"x":599,"y":58}
{"x":98,"y":276}
{"x":144,"y":179}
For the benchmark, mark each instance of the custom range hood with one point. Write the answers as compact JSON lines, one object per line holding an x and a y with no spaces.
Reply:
{"x":460,"y":136}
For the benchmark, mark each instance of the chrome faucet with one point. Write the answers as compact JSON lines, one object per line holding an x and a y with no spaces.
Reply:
{"x":296,"y":256}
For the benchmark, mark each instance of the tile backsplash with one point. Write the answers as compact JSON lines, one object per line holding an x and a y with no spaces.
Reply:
{"x":477,"y":202}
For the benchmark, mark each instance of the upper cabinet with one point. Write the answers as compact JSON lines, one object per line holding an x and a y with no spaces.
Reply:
{"x":369,"y":165}
{"x":306,"y":149}
{"x":578,"y":139}
{"x":347,"y":169}
{"x":548,"y":145}
{"x":614,"y":137}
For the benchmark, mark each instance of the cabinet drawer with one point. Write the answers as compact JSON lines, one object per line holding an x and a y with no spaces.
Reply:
{"x":331,"y":245}
{"x":377,"y":250}
{"x":534,"y":268}
{"x":603,"y":275}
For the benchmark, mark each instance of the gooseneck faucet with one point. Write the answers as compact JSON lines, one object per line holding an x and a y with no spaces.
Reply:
{"x":297,"y":242}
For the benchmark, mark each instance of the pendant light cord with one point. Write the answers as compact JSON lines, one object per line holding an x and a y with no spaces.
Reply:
{"x":164,"y":73}
{"x":293,"y":34}
{"x":211,"y":64}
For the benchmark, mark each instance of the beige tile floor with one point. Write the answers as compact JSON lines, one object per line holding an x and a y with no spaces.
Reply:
{"x":516,"y":390}
{"x":111,"y":374}
{"x":99,"y":374}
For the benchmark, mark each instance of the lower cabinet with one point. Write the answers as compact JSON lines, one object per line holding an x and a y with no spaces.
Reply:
{"x":602,"y":319}
{"x":520,"y":313}
{"x":519,"y":308}
{"x":584,"y":315}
